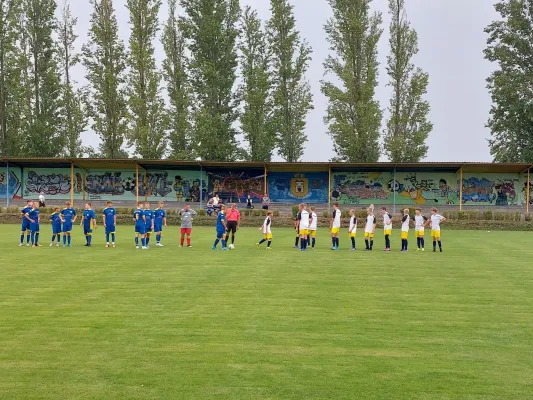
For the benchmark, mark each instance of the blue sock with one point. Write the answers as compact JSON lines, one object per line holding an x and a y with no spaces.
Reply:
{"x":262,"y":241}
{"x":90,"y":239}
{"x":158,"y":238}
{"x":28,"y":236}
{"x":36,"y":237}
{"x":353,"y":243}
{"x":147,"y":240}
{"x":313,"y":242}
{"x":422,"y":242}
{"x":32,"y":235}
{"x":337,"y":242}
{"x":223,"y":243}
{"x":64,"y":239}
{"x":22,"y":239}
{"x":302,"y":243}
{"x":333,"y":241}
{"x":113,"y":237}
{"x":216,"y":242}
{"x":143,"y":242}
{"x":87,"y":239}
{"x":58,"y":238}
{"x":136,"y":241}
{"x":69,"y":239}
{"x":406,"y":244}
{"x":53,"y":238}
{"x":107,"y":237}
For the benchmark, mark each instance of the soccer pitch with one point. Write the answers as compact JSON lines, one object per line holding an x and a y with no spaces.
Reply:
{"x":178,"y":323}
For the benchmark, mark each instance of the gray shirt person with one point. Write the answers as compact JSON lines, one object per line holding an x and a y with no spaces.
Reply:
{"x":186,"y":217}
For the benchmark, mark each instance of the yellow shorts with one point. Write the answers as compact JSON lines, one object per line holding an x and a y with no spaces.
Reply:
{"x":369,"y":235}
{"x":405,"y":235}
{"x":312,"y":233}
{"x":334,"y":231}
{"x":435,"y":234}
{"x":419,"y":233}
{"x":352,"y":234}
{"x":388,"y":232}
{"x":268,"y":236}
{"x":304,"y":232}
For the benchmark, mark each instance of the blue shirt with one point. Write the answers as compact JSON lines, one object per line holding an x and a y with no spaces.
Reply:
{"x":88,"y":216}
{"x":56,"y":219}
{"x":220,"y":226}
{"x":68,"y":214}
{"x":24,"y":211}
{"x":34,"y":215}
{"x":138,"y":216}
{"x":159,"y":214}
{"x":149,"y":215}
{"x":109,"y":214}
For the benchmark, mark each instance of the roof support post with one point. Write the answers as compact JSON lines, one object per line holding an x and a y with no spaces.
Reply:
{"x":461,"y":189}
{"x":137,"y":183}
{"x":72,"y":183}
{"x":201,"y":185}
{"x":394,"y":190}
{"x":265,"y":184}
{"x":528,"y":189}
{"x":7,"y":184}
{"x":329,"y":187}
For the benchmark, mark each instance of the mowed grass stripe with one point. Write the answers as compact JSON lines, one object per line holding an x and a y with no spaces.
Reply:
{"x":173,"y":323}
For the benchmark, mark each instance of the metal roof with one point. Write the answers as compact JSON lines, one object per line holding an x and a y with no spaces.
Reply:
{"x":132,"y":163}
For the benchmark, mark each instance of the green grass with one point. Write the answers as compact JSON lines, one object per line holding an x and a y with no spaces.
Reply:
{"x":175,"y":323}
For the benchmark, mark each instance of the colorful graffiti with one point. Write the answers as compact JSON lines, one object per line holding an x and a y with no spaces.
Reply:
{"x":9,"y":188}
{"x":51,"y":183}
{"x":286,"y":187}
{"x":234,"y":186}
{"x":491,"y":189}
{"x":424,"y":188}
{"x":361,"y":188}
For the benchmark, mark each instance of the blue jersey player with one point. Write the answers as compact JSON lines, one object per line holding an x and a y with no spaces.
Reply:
{"x":149,"y":219}
{"x":88,"y":221}
{"x":55,"y":220}
{"x":35,"y":219}
{"x":160,"y":220}
{"x":140,"y":226}
{"x":25,"y":224}
{"x":68,"y":217}
{"x":221,"y":228}
{"x":110,"y":223}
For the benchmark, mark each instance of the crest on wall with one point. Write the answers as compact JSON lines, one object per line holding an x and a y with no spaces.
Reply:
{"x":299,"y":187}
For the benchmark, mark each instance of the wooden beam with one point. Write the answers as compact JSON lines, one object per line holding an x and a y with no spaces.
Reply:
{"x":137,"y":183}
{"x":72,"y":183}
{"x":461,"y":189}
{"x":329,"y":183}
{"x":527,"y":190}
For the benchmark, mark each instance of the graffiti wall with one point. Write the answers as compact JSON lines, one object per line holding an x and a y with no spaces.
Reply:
{"x":493,"y":189}
{"x":53,"y":183}
{"x":234,"y":185}
{"x":361,"y":187}
{"x":426,"y":189}
{"x":10,"y":186}
{"x":286,"y":187}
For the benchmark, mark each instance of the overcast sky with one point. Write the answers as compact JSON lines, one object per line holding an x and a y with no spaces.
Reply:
{"x":451,"y":41}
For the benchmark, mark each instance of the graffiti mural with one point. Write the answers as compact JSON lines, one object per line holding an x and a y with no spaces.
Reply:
{"x":10,"y":188}
{"x":51,"y":182}
{"x":286,"y":187}
{"x":234,"y":186}
{"x":492,"y":189}
{"x":425,"y":188}
{"x":361,"y":187}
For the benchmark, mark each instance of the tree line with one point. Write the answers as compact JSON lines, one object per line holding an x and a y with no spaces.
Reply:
{"x":225,"y":73}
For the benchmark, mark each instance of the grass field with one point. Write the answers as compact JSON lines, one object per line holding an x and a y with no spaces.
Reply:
{"x":171,"y":323}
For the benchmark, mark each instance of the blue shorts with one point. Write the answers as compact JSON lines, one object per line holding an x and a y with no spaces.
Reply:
{"x":35,"y":227}
{"x":140,"y":229}
{"x":25,"y":225}
{"x":110,"y":229}
{"x":67,"y":227}
{"x":158,"y":227}
{"x":56,"y":229}
{"x":220,"y":233}
{"x":87,"y":230}
{"x":148,"y":229}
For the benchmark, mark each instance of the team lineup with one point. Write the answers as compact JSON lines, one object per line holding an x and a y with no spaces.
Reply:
{"x":148,"y":222}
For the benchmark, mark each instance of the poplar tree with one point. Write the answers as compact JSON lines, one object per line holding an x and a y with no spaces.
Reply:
{"x":178,"y":90}
{"x":147,"y":108}
{"x":408,"y":126}
{"x":292,"y":99}
{"x":74,"y":121}
{"x":353,"y":114}
{"x":105,"y":62}
{"x":210,"y":28}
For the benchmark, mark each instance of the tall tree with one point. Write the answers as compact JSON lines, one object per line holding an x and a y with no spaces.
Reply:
{"x":147,"y":108}
{"x":256,"y":119}
{"x":46,"y":138}
{"x":74,"y":122}
{"x":510,"y":45}
{"x":210,"y":27}
{"x":292,"y":93}
{"x":408,"y":126}
{"x":175,"y":75}
{"x":105,"y":62}
{"x":353,"y":113}
{"x":9,"y":75}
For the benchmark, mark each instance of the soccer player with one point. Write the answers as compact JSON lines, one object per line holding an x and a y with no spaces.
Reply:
{"x":435,"y":221}
{"x":297,"y":227}
{"x":110,"y":223}
{"x":160,"y":220}
{"x":387,"y":227}
{"x":312,"y":228}
{"x":87,"y":222}
{"x":221,"y":228}
{"x":68,"y":217}
{"x":34,"y":218}
{"x":25,"y":224}
{"x":304,"y":226}
{"x":352,"y":230}
{"x":267,"y":231}
{"x":140,"y":226}
{"x":233,"y":218}
{"x":370,"y":228}
{"x":187,"y":216}
{"x":149,"y":218}
{"x":55,"y":219}
{"x":405,"y":229}
{"x":420,"y":221}
{"x":335,"y":226}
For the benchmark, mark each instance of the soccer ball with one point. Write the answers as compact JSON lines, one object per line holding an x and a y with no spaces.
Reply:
{"x":231,"y":247}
